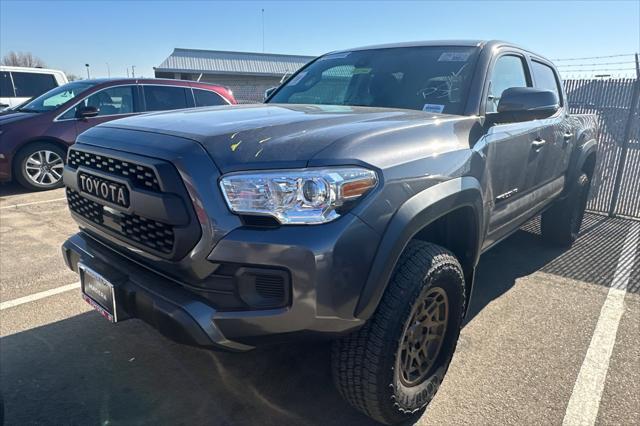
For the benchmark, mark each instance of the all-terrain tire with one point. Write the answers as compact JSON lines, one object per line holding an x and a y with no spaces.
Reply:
{"x":366,"y":364}
{"x":561,"y":223}
{"x":20,"y":163}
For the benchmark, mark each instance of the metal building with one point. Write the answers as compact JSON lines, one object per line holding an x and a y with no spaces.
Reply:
{"x":247,"y":74}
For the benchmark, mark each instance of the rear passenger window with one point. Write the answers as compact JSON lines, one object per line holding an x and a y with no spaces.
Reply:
{"x":508,"y":72}
{"x":207,"y":98}
{"x":545,"y":78}
{"x":6,"y":88}
{"x":161,"y":98}
{"x":29,"y":85}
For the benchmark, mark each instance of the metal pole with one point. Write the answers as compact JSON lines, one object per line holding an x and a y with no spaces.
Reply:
{"x":88,"y":75}
{"x":133,"y":71}
{"x":108,"y":70}
{"x":624,"y":148}
{"x":262,"y":30}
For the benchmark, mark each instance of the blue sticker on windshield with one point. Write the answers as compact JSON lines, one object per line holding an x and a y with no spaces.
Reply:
{"x":437,"y":108}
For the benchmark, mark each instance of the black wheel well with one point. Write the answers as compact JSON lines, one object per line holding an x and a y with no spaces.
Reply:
{"x":457,"y":231}
{"x":589,"y":165}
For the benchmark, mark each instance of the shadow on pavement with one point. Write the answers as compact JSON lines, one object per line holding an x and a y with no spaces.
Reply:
{"x":12,"y":188}
{"x":592,"y":259}
{"x":83,"y":370}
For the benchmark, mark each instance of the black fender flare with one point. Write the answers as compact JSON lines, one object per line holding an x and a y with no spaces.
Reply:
{"x":583,"y":152}
{"x":416,"y":213}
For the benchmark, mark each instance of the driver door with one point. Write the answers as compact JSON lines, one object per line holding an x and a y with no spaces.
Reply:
{"x":511,"y":162}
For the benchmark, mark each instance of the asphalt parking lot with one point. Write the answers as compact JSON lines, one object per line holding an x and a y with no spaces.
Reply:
{"x":541,"y":323}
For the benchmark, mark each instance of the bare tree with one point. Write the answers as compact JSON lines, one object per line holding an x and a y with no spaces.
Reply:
{"x":22,"y":59}
{"x":73,"y":77}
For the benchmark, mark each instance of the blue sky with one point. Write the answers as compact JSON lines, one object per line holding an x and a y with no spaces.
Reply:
{"x":68,"y":34}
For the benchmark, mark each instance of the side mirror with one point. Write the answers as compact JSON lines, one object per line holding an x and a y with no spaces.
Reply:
{"x":269,"y":92}
{"x":87,"y":112}
{"x":519,"y":104}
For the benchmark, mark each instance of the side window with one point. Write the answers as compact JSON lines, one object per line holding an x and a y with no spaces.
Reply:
{"x":6,"y":88}
{"x":29,"y":85}
{"x":207,"y":98}
{"x":507,"y":72}
{"x":111,"y":101}
{"x":161,"y":98}
{"x":545,"y":78}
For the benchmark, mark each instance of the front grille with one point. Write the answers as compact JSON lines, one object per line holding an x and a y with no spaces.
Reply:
{"x":84,"y":207}
{"x":141,"y":176}
{"x":149,"y":233}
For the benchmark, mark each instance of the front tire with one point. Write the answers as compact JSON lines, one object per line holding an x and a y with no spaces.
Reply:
{"x":561,"y":224}
{"x":38,"y":166}
{"x":391,"y":368}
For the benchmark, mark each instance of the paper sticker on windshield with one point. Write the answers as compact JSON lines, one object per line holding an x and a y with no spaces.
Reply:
{"x":454,"y":56}
{"x":334,"y":56}
{"x":437,"y":108}
{"x":361,"y":71}
{"x":295,"y":80}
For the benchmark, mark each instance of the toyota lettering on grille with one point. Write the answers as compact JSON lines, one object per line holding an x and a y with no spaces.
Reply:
{"x":113,"y":192}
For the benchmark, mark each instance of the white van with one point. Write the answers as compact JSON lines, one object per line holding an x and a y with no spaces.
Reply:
{"x":19,"y":84}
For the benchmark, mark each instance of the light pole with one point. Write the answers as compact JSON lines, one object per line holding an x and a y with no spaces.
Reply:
{"x":88,"y":75}
{"x":108,"y":70}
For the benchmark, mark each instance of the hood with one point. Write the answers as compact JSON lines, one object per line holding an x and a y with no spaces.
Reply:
{"x":7,"y":117}
{"x":270,"y":135}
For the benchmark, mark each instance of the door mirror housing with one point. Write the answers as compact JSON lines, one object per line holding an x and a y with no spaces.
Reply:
{"x":87,"y":112}
{"x":519,"y":104}
{"x":269,"y":92}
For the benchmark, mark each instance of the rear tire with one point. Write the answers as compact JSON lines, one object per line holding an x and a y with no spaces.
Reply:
{"x":560,"y":224}
{"x":38,"y":166}
{"x":391,"y":368}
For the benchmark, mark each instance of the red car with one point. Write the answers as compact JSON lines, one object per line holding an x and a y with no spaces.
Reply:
{"x":35,"y":136}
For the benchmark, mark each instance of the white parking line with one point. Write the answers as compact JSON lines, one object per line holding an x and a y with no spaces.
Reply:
{"x":15,"y":206}
{"x":37,"y":296}
{"x":585,"y":399}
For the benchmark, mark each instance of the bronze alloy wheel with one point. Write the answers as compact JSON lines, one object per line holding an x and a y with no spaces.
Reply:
{"x":423,"y":336}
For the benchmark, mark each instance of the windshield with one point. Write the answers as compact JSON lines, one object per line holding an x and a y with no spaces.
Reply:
{"x":55,"y":97}
{"x":433,"y":79}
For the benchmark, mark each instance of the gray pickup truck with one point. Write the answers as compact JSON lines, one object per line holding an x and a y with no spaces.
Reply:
{"x":352,"y":205}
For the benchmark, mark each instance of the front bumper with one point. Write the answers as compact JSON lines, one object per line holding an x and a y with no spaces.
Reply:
{"x":327,"y":266}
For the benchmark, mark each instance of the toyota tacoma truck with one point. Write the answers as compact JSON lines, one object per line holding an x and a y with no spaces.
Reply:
{"x":352,"y":205}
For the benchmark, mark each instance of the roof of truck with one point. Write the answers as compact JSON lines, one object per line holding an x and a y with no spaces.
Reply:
{"x":469,"y":43}
{"x":462,"y":43}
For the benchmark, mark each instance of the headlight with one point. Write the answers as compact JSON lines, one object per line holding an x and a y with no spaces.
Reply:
{"x":306,"y":196}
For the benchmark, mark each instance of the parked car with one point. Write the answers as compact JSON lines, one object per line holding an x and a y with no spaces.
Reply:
{"x":19,"y":84}
{"x":353,"y":205}
{"x":34,"y":137}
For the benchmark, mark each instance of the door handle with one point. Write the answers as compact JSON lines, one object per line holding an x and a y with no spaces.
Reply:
{"x":538,"y":143}
{"x":568,"y":135}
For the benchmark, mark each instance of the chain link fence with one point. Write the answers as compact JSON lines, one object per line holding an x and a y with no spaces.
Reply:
{"x":615,"y":102}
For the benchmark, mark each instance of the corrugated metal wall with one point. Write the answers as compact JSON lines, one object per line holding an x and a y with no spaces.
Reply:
{"x":246,"y":89}
{"x":611,"y":101}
